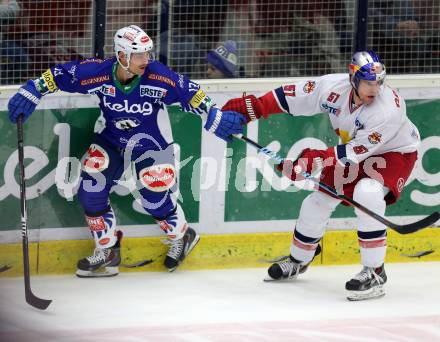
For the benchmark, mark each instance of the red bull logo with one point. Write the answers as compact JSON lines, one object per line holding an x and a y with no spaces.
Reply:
{"x":309,"y":87}
{"x":374,"y":138}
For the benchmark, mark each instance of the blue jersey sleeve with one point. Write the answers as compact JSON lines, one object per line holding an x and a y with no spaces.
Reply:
{"x":75,"y":76}
{"x":181,"y":90}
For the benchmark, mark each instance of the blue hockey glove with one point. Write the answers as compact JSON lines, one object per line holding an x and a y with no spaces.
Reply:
{"x":224,"y":124}
{"x":24,"y":101}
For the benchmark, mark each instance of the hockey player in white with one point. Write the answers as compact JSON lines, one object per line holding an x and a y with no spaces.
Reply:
{"x":376,"y":154}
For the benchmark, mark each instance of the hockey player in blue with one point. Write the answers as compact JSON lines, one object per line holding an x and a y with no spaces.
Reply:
{"x":133,"y":92}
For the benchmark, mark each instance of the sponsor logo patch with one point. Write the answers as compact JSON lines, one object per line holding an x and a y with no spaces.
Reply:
{"x":105,"y":89}
{"x":332,"y":110}
{"x":163,"y":79}
{"x":95,"y":160}
{"x":198,"y":98}
{"x":108,"y":90}
{"x":158,"y":178}
{"x":145,"y":108}
{"x":289,"y":90}
{"x":49,"y":81}
{"x":91,"y":60}
{"x":95,"y":224}
{"x":104,"y":241}
{"x":94,"y":80}
{"x":129,"y":36}
{"x":126,"y":124}
{"x":309,"y":87}
{"x":145,"y":39}
{"x":154,"y":92}
{"x":374,"y":138}
{"x":361,"y":149}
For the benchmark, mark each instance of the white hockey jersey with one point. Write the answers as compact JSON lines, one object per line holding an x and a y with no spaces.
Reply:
{"x":367,"y":130}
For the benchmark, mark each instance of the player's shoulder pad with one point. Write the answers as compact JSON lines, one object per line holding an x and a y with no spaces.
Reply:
{"x":391,"y":102}
{"x":161,"y":74}
{"x":93,"y":71}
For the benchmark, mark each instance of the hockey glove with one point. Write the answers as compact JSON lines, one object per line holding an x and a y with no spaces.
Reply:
{"x":24,"y":101}
{"x":224,"y":124}
{"x":249,"y":106}
{"x":308,"y":161}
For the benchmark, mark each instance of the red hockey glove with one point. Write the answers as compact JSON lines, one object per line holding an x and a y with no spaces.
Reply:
{"x":309,"y":160}
{"x":249,"y":106}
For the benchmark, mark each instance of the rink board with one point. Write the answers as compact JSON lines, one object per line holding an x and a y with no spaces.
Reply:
{"x":244,"y":211}
{"x":218,"y":251}
{"x":224,"y":188}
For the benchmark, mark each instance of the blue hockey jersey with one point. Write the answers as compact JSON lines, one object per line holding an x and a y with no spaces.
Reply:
{"x":129,"y":109}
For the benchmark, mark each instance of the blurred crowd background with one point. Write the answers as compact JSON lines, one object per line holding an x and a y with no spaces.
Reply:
{"x":243,"y":38}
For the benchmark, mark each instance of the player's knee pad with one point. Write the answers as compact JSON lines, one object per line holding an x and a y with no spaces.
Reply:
{"x":370,"y":193}
{"x":158,"y":178}
{"x":158,"y":184}
{"x":315,"y":211}
{"x":174,"y":224}
{"x":103,"y":227}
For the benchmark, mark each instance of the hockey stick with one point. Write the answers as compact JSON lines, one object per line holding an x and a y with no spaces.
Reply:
{"x":4,"y":268}
{"x":138,"y":263}
{"x":401,"y":229}
{"x":31,"y":299}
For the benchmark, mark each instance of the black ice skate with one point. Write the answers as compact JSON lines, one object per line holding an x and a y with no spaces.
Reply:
{"x":286,"y":268}
{"x":179,"y":249}
{"x":103,"y":263}
{"x":367,"y":284}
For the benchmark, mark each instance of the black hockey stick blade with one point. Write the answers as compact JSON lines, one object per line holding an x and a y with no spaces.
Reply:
{"x":36,"y":302}
{"x":415,"y":226}
{"x":4,"y":268}
{"x":138,"y":264}
{"x":418,"y":254}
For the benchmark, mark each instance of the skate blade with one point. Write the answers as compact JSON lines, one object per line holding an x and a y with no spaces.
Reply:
{"x":375,"y":292}
{"x":269,"y":279}
{"x":109,"y":271}
{"x":190,"y":248}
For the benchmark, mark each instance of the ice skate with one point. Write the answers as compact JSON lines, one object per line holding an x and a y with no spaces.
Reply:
{"x":367,"y":284}
{"x":103,"y":263}
{"x":180,"y":248}
{"x":287,"y":268}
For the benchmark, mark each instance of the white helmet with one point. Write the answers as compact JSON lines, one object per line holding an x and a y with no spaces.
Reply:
{"x":131,"y":39}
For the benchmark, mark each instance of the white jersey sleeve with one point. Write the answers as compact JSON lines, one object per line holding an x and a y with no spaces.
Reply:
{"x":304,"y":97}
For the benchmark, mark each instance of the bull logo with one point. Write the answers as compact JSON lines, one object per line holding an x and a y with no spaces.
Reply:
{"x":374,"y":138}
